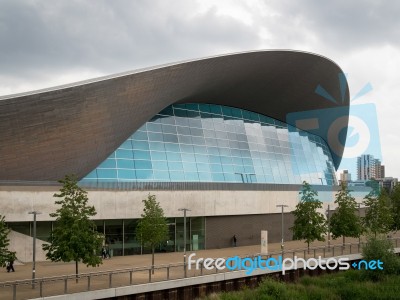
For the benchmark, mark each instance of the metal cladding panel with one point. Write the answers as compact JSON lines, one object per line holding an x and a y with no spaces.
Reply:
{"x":73,"y":128}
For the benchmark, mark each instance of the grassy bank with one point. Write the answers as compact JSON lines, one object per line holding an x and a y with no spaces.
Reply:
{"x":344,"y":285}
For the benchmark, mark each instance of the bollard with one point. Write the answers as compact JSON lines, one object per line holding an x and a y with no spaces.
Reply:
{"x":168,"y":272}
{"x":314,"y":252}
{"x":130,"y":277}
{"x":110,"y":280}
{"x":201,"y":268}
{"x":88,"y":283}
{"x":149,"y":275}
{"x":294,"y":254}
{"x":41,"y":288}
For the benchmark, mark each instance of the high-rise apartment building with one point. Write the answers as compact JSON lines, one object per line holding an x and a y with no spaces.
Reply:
{"x":369,"y":168}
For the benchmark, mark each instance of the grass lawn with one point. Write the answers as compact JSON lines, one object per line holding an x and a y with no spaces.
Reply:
{"x":350,"y":284}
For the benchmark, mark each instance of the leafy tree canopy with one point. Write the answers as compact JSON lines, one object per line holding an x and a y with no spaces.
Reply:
{"x":74,"y":237}
{"x":345,"y":221}
{"x":378,"y":216}
{"x":309,"y":224}
{"x":5,"y":254}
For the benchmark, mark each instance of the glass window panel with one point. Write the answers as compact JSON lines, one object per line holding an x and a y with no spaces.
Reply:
{"x":125,"y":164}
{"x":181,"y":121}
{"x":143,"y":164}
{"x":213,"y":150}
{"x":228,"y":169}
{"x":154,"y":127}
{"x":141,"y":145}
{"x":191,"y":176}
{"x":215,"y":168}
{"x":144,"y":174}
{"x":188,"y":157}
{"x":201,"y":158}
{"x":172,"y":156}
{"x":169,"y":129}
{"x":177,"y":166}
{"x":156,"y":146}
{"x":155,"y":137}
{"x":91,"y":175}
{"x":155,"y":155}
{"x":200,"y":149}
{"x":172,"y":147}
{"x":108,"y":163}
{"x":126,"y":174}
{"x":107,"y":173}
{"x":218,"y":177}
{"x":140,"y":135}
{"x":189,"y":167}
{"x":160,"y":165}
{"x":122,"y":153}
{"x":126,"y":145}
{"x":216,"y":109}
{"x":229,"y":177}
{"x":214,"y":159}
{"x":138,"y":154}
{"x":177,"y":176}
{"x":187,"y":148}
{"x":161,"y":175}
{"x":170,"y":138}
{"x":197,"y":140}
{"x":203,"y":167}
{"x":195,"y":123}
{"x":226,"y":160}
{"x":206,"y":177}
{"x":168,"y":120}
{"x":185,"y":139}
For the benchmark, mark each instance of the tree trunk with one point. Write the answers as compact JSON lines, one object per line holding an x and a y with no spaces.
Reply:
{"x":308,"y":247}
{"x":343,"y":241}
{"x":152,"y":259}
{"x":76,"y":271}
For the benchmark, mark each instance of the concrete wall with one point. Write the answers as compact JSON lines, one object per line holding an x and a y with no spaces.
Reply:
{"x":220,"y":229}
{"x":17,"y":201}
{"x":23,"y":245}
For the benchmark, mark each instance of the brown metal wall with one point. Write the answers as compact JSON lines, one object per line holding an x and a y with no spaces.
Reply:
{"x":220,"y":229}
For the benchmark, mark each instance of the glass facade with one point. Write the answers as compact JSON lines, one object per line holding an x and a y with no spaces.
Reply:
{"x":213,"y":143}
{"x":120,"y":235}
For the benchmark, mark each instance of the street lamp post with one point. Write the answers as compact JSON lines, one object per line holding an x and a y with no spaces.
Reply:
{"x":359,"y":217}
{"x":184,"y":239}
{"x":282,"y":241}
{"x":34,"y":213}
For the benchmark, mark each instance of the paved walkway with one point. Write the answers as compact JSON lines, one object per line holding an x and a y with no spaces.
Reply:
{"x":49,"y":269}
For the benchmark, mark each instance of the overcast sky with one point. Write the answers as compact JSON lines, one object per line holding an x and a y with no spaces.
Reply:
{"x":47,"y":43}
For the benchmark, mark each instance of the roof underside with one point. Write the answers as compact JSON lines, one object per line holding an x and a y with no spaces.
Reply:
{"x":72,"y":129}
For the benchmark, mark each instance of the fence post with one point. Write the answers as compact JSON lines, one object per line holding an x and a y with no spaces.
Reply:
{"x":14,"y":291}
{"x":110,"y":280}
{"x":168,"y":272}
{"x":88,"y":282}
{"x":130,"y":277}
{"x":65,"y":285}
{"x":150,"y":275}
{"x":41,"y":288}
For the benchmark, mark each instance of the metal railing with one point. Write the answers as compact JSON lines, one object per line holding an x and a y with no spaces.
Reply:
{"x":59,"y":285}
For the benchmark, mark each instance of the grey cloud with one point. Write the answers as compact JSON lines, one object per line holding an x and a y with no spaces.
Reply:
{"x":38,"y":37}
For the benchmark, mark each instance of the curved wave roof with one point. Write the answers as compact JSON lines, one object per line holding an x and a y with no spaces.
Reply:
{"x":72,"y":128}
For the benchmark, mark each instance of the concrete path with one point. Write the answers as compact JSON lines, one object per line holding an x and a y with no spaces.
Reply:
{"x":50,"y":269}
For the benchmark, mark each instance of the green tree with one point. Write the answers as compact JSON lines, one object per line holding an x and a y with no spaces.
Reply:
{"x":152,"y":229}
{"x":309,"y":224}
{"x":5,"y":254}
{"x":395,"y":196}
{"x":378,"y":216}
{"x":74,"y":237}
{"x":345,"y":221}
